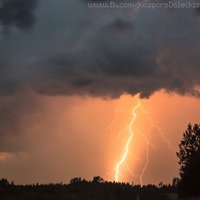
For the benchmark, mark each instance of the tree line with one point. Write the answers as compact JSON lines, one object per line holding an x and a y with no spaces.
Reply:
{"x":81,"y":189}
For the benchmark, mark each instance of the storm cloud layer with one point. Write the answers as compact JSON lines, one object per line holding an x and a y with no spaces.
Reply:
{"x":74,"y":49}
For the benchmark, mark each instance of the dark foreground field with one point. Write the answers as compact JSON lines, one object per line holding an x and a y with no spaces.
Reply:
{"x":79,"y":189}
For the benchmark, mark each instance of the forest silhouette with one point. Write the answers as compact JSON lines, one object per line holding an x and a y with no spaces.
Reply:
{"x":80,"y":189}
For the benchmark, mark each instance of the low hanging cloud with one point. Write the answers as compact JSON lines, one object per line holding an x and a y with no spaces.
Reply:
{"x":18,"y":113}
{"x":103,"y":52}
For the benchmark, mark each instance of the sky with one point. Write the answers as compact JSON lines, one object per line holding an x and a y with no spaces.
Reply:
{"x":70,"y":76}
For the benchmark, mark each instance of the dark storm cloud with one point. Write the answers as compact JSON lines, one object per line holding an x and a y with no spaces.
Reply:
{"x":104,"y":52}
{"x":17,"y":13}
{"x":120,"y":25}
{"x":81,"y":82}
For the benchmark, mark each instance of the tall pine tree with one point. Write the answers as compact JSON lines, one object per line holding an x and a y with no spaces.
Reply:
{"x":189,"y":160}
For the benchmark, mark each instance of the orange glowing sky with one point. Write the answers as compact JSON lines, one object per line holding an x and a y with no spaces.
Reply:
{"x":61,"y":60}
{"x":80,"y":136}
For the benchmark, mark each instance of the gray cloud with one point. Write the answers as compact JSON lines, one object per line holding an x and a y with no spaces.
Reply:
{"x":17,"y":13}
{"x":105,"y":52}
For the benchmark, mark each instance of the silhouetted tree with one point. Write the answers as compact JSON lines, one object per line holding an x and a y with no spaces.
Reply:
{"x":75,"y":180}
{"x":175,"y":182}
{"x":4,"y":182}
{"x":189,"y":160}
{"x":97,"y":179}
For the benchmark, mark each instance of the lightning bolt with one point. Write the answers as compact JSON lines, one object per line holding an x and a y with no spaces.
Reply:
{"x":146,"y":162}
{"x":159,"y":129}
{"x":126,"y":150}
{"x":148,"y":144}
{"x":129,"y":128}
